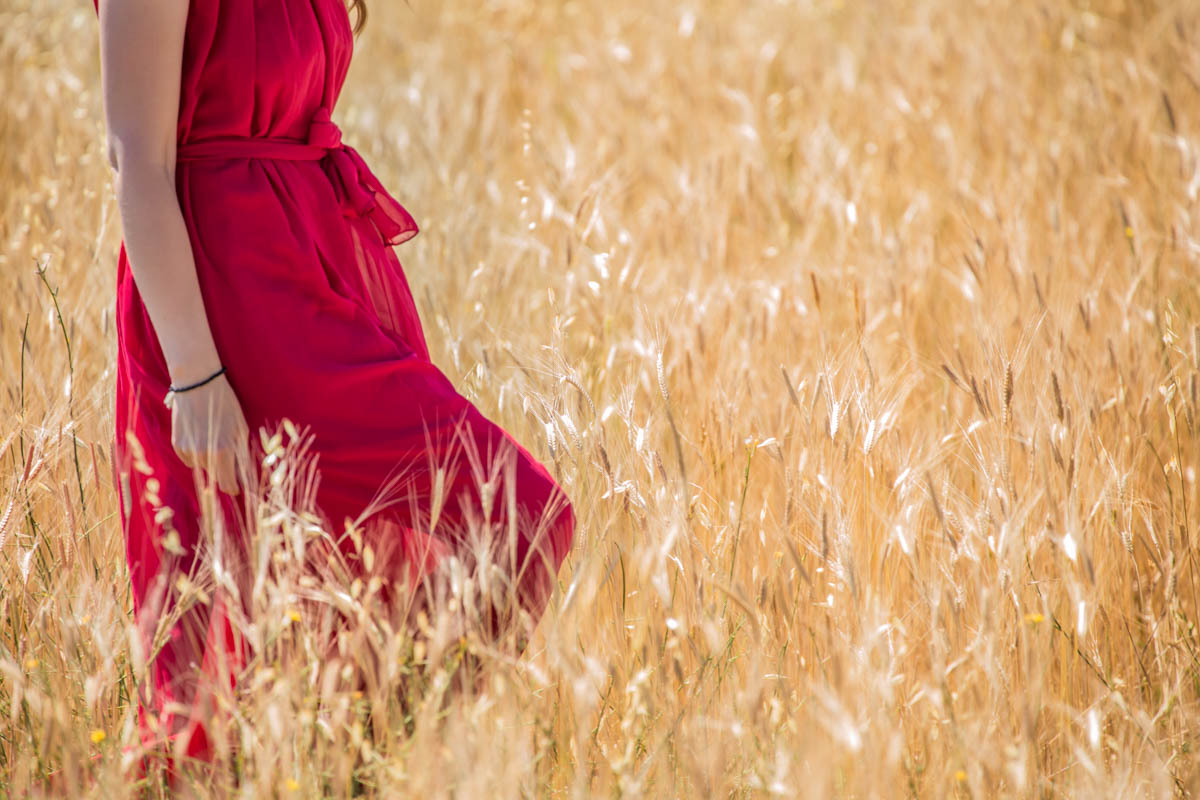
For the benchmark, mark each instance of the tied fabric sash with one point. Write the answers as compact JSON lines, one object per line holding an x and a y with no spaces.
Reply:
{"x":359,"y":192}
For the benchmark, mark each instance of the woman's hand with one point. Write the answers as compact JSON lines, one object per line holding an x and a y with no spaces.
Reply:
{"x":208,"y":430}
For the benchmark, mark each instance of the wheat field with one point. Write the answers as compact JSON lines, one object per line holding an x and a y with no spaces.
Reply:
{"x":865,"y":338}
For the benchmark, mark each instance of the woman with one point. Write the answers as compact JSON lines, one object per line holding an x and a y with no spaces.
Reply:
{"x":256,"y":282}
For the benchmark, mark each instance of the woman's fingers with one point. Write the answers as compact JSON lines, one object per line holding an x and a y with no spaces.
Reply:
{"x":185,"y":457}
{"x":200,"y":452}
{"x":219,"y":466}
{"x":226,"y":471}
{"x":184,"y":451}
{"x":220,"y":461}
{"x":235,"y":450}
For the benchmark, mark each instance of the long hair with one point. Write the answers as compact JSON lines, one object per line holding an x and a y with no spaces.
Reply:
{"x":360,"y":14}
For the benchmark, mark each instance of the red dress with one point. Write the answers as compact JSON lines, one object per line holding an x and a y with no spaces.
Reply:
{"x":313,"y":319}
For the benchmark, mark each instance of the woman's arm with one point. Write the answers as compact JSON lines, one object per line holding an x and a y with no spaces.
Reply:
{"x":141,"y":54}
{"x":141,"y":50}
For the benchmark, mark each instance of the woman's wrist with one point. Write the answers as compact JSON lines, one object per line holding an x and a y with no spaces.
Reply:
{"x":177,"y":387}
{"x":193,"y":367}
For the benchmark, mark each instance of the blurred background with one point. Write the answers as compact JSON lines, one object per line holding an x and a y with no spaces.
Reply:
{"x":864,"y":336}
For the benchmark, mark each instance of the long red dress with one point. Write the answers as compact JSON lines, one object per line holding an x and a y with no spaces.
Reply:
{"x":313,"y":318}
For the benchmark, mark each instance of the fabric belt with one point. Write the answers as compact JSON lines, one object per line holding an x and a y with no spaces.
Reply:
{"x":359,"y":192}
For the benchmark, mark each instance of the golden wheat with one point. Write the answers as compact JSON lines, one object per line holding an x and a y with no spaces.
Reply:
{"x":952,"y":553}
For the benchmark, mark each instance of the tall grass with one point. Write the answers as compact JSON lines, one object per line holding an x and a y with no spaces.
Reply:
{"x":864,"y":336}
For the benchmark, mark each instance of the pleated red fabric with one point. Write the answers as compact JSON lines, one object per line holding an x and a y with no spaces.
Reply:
{"x":314,"y":321}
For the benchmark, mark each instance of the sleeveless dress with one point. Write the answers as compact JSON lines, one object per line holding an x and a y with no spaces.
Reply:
{"x":314,"y":321}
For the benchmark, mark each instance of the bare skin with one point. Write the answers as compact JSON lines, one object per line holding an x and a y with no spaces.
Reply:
{"x":141,"y":52}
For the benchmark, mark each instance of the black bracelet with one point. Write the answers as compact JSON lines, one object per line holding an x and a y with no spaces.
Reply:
{"x":197,"y":383}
